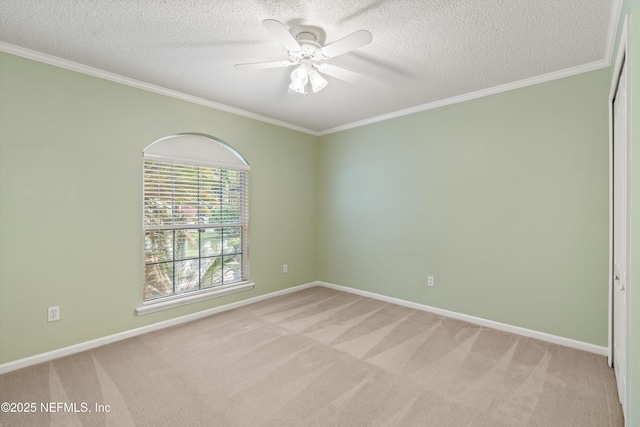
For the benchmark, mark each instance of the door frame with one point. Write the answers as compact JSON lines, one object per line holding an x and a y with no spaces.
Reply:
{"x":621,"y":60}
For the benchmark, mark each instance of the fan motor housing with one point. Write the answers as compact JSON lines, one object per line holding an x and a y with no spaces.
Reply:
{"x":310,"y":48}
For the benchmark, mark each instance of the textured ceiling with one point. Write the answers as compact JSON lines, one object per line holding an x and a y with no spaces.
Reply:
{"x":423,"y":51}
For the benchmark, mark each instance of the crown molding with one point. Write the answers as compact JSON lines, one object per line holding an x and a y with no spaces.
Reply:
{"x":474,"y":95}
{"x":117,"y":78}
{"x":614,"y":22}
{"x":74,"y":66}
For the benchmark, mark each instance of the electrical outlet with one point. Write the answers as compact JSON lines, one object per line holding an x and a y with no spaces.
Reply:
{"x":285,"y":268}
{"x":53,"y":313}
{"x":430,"y":281}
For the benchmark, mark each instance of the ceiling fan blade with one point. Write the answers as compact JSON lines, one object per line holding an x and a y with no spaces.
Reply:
{"x":280,"y":32}
{"x":339,"y":73}
{"x":261,"y":65}
{"x":352,"y":41}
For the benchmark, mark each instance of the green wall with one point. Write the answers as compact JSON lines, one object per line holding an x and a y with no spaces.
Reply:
{"x":71,"y":212}
{"x":503,"y":199}
{"x":633,"y":285}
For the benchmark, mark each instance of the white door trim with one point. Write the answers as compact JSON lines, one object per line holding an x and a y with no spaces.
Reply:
{"x":622,"y":59}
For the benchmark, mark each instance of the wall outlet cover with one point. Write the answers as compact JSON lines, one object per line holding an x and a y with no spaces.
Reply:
{"x":53,"y":313}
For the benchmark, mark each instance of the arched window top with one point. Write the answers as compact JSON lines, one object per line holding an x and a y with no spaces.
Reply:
{"x":195,"y":148}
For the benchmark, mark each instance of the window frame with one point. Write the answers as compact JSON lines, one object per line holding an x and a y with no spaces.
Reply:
{"x":199,"y":151}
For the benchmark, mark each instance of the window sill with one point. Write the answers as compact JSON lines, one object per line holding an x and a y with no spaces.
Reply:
{"x":177,"y":301}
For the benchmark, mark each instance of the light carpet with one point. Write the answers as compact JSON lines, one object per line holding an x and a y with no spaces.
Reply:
{"x":320,"y":357}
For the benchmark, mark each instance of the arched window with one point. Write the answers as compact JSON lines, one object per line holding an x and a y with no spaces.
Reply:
{"x":196,"y":218}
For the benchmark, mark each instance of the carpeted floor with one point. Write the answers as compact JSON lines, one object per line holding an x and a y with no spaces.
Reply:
{"x":320,"y":357}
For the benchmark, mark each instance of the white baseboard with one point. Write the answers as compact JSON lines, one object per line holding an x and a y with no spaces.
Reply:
{"x":543,"y":336}
{"x":88,"y":345}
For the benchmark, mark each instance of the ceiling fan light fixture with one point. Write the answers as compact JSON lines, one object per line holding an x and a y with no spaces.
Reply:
{"x":299,"y":79}
{"x":317,"y":81}
{"x":296,"y":87}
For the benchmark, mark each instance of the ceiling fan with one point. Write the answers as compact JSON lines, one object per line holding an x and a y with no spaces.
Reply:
{"x":311,"y":57}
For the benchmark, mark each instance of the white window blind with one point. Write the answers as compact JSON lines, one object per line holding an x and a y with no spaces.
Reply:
{"x":187,"y":196}
{"x":196,"y":221}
